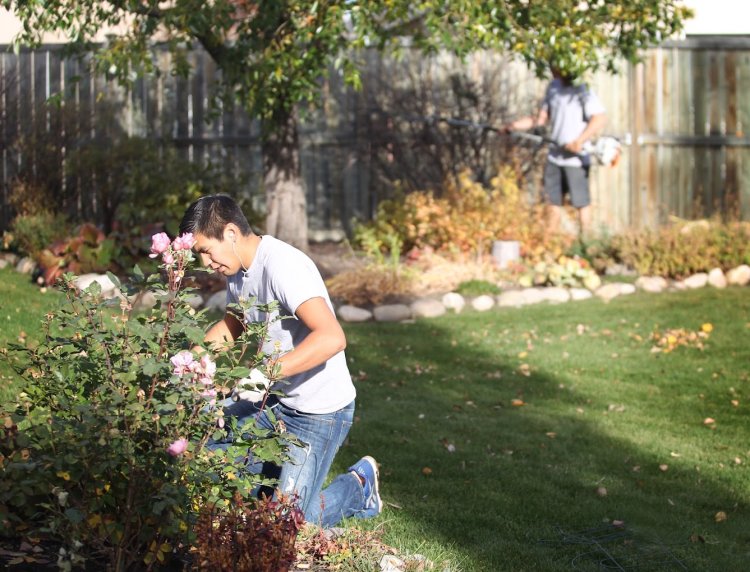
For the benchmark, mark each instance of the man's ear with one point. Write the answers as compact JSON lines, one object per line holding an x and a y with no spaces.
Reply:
{"x":230,"y":233}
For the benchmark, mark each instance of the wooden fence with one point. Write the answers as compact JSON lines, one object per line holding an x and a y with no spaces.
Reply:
{"x":681,"y":113}
{"x":684,"y":110}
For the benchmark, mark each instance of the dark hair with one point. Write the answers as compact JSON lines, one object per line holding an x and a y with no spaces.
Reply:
{"x":211,"y":214}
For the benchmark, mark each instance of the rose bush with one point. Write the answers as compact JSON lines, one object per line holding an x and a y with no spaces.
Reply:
{"x":104,"y":453}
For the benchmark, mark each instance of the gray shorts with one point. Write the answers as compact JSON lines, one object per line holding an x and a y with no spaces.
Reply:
{"x":560,"y":180}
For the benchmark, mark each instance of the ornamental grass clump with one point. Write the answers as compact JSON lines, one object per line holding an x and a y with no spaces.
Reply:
{"x":104,"y":455}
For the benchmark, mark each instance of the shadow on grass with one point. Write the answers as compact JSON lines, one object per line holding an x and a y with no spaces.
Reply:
{"x":465,"y":468}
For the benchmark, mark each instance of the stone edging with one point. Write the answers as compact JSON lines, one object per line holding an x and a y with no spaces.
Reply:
{"x":431,"y":307}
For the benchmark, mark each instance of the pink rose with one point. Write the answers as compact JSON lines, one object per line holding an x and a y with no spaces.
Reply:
{"x":184,"y":242}
{"x":208,"y":366}
{"x":167,"y":258}
{"x":182,"y":362}
{"x":178,"y":447}
{"x":159,"y":243}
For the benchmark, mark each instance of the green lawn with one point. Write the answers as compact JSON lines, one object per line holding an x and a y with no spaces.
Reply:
{"x":22,"y":308}
{"x":600,"y":411}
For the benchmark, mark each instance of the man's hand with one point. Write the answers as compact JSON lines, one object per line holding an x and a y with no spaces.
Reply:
{"x":575,"y":147}
{"x":251,"y":388}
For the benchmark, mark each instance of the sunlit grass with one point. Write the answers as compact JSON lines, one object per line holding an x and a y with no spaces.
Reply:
{"x":495,"y":429}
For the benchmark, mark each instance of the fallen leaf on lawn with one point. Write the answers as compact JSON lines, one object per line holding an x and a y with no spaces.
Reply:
{"x":736,"y":402}
{"x":580,"y":328}
{"x":524,"y":369}
{"x":663,"y":468}
{"x":737,"y":461}
{"x":618,"y":523}
{"x":709,"y":421}
{"x":523,"y":355}
{"x":673,"y":454}
{"x":720,"y":516}
{"x":551,"y":434}
{"x":671,"y":502}
{"x":517,"y":402}
{"x":616,"y":407}
{"x":426,"y":471}
{"x":708,"y":328}
{"x":601,"y":491}
{"x":697,"y":538}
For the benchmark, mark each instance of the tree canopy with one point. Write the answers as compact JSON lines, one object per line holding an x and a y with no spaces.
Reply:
{"x":272,"y":53}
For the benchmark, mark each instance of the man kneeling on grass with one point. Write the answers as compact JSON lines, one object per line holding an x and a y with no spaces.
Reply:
{"x":318,"y":402}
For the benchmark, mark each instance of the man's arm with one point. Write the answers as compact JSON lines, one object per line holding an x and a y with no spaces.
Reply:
{"x":594,"y":126}
{"x":325,"y":340}
{"x":225,"y":330}
{"x":528,"y":122}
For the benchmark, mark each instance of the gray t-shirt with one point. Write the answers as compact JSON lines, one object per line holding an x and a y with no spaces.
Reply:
{"x":569,"y":108}
{"x":281,"y":272}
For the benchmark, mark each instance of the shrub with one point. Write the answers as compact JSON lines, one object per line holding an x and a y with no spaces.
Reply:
{"x":105,"y":176}
{"x":134,"y":179}
{"x":477,"y":288}
{"x":685,"y":248}
{"x":259,"y":537}
{"x":87,"y":251}
{"x":104,"y":452}
{"x":371,"y":285}
{"x":32,"y":233}
{"x":600,"y":252}
{"x":565,"y":271}
{"x":466,"y":220}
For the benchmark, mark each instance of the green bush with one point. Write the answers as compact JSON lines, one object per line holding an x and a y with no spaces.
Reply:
{"x":683,"y":249}
{"x":477,"y":288}
{"x":134,"y":179}
{"x":32,"y":233}
{"x":104,"y":451}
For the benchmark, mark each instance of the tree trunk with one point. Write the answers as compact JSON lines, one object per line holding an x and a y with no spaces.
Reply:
{"x":286,"y":202}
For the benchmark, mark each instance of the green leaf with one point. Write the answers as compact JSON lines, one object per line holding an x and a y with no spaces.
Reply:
{"x":115,"y":280}
{"x":194,"y":334}
{"x":239,"y":372}
{"x":152,"y":367}
{"x":74,"y":515}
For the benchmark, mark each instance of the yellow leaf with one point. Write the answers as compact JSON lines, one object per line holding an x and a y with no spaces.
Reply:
{"x":720,"y":516}
{"x":708,"y":328}
{"x":94,"y":520}
{"x":64,"y":475}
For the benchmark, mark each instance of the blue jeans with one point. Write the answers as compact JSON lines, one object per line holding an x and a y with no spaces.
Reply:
{"x":305,"y":472}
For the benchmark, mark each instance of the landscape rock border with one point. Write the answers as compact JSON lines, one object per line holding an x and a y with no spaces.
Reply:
{"x":453,"y":302}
